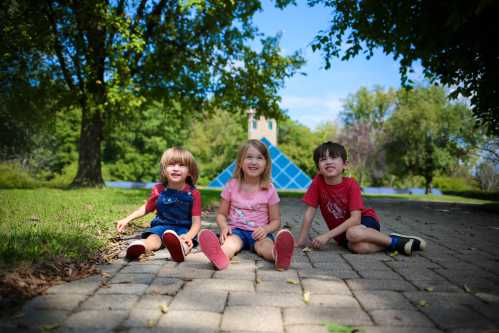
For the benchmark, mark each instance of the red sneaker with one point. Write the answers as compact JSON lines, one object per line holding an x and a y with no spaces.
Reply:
{"x":174,"y":245}
{"x":135,"y":249}
{"x":283,"y":249}
{"x":210,"y":246}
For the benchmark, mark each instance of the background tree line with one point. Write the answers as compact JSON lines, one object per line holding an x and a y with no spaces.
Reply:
{"x":399,"y":138}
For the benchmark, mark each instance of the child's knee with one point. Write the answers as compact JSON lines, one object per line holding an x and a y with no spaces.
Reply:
{"x":355,"y":234}
{"x":360,"y":248}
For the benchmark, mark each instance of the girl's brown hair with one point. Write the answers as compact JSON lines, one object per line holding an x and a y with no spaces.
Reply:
{"x":265,"y":178}
{"x":181,"y":156}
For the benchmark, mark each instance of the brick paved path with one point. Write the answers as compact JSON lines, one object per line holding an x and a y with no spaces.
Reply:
{"x":451,"y":287}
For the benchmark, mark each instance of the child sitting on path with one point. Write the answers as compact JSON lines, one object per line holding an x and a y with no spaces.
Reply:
{"x":350,"y":224}
{"x":178,"y":208}
{"x":249,"y":213}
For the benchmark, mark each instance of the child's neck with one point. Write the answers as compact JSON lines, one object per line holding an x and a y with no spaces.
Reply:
{"x":250,"y":183}
{"x":334,"y":180}
{"x":176,"y":185}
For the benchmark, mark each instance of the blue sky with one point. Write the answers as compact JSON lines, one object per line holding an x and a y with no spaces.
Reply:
{"x":318,"y":96}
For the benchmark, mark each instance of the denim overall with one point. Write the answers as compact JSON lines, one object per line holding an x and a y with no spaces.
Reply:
{"x":173,"y":212}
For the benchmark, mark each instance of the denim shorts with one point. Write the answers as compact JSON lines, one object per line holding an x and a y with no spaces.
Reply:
{"x":160,"y":229}
{"x":248,"y":241}
{"x":367,"y":221}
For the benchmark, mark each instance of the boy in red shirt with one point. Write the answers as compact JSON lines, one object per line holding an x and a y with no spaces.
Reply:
{"x":350,"y":224}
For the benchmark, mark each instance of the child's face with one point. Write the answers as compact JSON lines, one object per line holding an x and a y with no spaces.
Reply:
{"x":331,"y":167}
{"x":176,"y":173}
{"x":254,"y":163}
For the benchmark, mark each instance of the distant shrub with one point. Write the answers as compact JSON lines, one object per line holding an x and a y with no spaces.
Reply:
{"x":459,"y":184}
{"x":13,"y":175}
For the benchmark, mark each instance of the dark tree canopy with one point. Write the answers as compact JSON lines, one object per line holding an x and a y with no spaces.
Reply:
{"x":110,"y":58}
{"x":453,"y":40}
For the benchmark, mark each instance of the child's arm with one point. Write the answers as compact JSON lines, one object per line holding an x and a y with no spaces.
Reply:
{"x":274,"y":223}
{"x":353,"y":220}
{"x":221,"y":220}
{"x":305,"y":227}
{"x":193,"y":231}
{"x":138,"y":213}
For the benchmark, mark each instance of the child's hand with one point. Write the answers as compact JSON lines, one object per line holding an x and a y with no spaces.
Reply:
{"x":225,"y":231}
{"x":259,"y":233}
{"x":303,"y":242}
{"x":121,"y":225}
{"x":319,"y":241}
{"x":187,"y":240}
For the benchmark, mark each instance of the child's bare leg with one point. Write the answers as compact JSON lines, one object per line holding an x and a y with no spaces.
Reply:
{"x":366,"y":240}
{"x":152,"y":242}
{"x":264,"y":248}
{"x":232,"y":245}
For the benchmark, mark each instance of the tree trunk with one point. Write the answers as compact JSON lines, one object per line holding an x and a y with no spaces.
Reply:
{"x":428,"y":184}
{"x":89,"y":163}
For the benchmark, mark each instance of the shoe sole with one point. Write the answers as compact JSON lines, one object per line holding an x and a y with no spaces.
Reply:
{"x":422,"y":242}
{"x":135,"y":250}
{"x":210,"y":246}
{"x":283,"y":249}
{"x":174,"y":246}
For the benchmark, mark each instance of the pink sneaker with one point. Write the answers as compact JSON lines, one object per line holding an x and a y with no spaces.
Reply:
{"x":210,"y":246}
{"x":283,"y":249}
{"x":135,"y":249}
{"x":174,"y":245}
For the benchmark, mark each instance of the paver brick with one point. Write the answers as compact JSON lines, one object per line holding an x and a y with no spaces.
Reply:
{"x":189,"y":321}
{"x":252,"y":319}
{"x":377,"y":300}
{"x":281,"y":287}
{"x":164,"y":286}
{"x":94,"y":319}
{"x":400,"y":318}
{"x":205,"y":285}
{"x":212,"y":301}
{"x":110,"y":302}
{"x":376,"y":284}
{"x":315,"y":315}
{"x":265,"y":299}
{"x":126,"y":288}
{"x":315,"y":286}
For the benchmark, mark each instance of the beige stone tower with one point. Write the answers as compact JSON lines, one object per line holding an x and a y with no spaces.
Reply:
{"x":262,"y":127}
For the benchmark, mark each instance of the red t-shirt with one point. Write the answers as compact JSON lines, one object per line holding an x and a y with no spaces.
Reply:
{"x":158,"y":188}
{"x":337,"y":201}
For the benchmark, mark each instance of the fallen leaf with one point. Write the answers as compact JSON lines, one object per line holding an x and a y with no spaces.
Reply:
{"x":394,"y":253}
{"x":151,"y":323}
{"x":235,"y":261}
{"x":336,"y":328}
{"x":422,"y":303}
{"x":291,"y":281}
{"x":306,"y":297}
{"x":49,"y":327}
{"x":307,"y":249}
{"x":280,"y":269}
{"x":466,"y":288}
{"x":429,"y":289}
{"x":258,"y":280}
{"x":163,"y":308}
{"x":105,"y":274}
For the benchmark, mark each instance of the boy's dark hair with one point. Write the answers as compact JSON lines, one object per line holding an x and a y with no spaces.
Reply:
{"x":332,"y":149}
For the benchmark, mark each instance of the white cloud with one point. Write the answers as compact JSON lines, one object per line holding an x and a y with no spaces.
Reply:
{"x":312,"y":110}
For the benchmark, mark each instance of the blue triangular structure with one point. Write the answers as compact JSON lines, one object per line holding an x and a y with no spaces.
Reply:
{"x":285,"y":174}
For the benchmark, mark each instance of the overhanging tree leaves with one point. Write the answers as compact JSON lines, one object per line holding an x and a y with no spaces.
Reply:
{"x":108,"y":58}
{"x":451,"y":39}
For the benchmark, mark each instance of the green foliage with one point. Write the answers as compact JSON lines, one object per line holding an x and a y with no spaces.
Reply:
{"x":455,"y":184}
{"x":215,"y":141}
{"x":451,"y":42}
{"x":12,"y":175}
{"x":426,"y":135}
